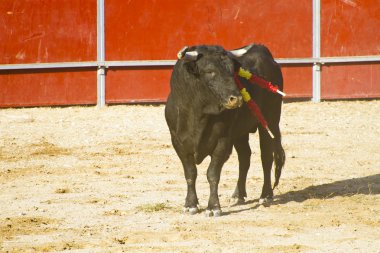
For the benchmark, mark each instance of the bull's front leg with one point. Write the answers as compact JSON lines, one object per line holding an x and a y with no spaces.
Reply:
{"x":218,"y":158}
{"x":190,"y":169}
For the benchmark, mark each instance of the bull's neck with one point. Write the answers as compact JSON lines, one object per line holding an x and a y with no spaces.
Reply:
{"x":199,"y":122}
{"x":191,"y":123}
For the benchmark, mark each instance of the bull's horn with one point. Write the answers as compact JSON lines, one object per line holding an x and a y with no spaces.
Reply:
{"x":240,"y":52}
{"x":181,"y":52}
{"x":191,"y":56}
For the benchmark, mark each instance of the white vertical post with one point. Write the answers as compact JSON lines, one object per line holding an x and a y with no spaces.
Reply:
{"x":101,"y":78}
{"x":316,"y":50}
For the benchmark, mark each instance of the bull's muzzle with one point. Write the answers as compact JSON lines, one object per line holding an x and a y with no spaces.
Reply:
{"x":234,"y":102}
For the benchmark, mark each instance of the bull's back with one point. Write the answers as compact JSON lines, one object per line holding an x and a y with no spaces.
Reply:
{"x":174,"y":98}
{"x":260,"y":61}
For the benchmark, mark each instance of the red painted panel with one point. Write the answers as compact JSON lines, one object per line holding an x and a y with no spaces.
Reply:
{"x":350,"y":27}
{"x":31,"y":88}
{"x":297,"y":81}
{"x":351,"y":81}
{"x":154,"y":30}
{"x":137,"y":84}
{"x":47,"y":31}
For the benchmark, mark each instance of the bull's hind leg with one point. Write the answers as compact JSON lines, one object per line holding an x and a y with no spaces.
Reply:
{"x":244,"y":155}
{"x":266,"y":147}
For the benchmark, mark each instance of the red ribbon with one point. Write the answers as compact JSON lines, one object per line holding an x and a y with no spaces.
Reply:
{"x":254,"y":108}
{"x":263,"y":83}
{"x":259,"y":81}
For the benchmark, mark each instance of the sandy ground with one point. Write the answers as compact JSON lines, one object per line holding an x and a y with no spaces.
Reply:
{"x":84,"y":179}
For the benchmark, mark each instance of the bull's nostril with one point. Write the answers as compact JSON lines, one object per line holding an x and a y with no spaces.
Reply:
{"x":233,"y":100}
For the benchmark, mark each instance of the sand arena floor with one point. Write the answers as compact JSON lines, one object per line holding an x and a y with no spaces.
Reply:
{"x":108,"y":180}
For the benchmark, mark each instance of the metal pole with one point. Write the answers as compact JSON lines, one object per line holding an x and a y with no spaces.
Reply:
{"x":101,"y":78}
{"x":316,"y":50}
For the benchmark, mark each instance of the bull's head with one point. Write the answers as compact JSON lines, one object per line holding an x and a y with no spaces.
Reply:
{"x":214,"y":71}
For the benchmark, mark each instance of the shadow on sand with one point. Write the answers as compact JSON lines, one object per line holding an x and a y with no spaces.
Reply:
{"x":369,"y":185}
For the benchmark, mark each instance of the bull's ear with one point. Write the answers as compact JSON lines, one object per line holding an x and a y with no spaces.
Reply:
{"x":237,"y":65}
{"x":240,"y":51}
{"x":190,"y":58}
{"x":192,"y":67}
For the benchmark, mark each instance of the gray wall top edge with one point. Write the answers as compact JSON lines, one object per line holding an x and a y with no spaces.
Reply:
{"x":48,"y":65}
{"x":369,"y":58}
{"x":141,"y":63}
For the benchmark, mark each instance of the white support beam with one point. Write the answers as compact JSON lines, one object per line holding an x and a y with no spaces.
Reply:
{"x":101,"y":77}
{"x":316,"y":50}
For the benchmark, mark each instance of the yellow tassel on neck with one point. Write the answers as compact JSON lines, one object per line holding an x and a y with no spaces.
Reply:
{"x":244,"y":73}
{"x":245,"y":95}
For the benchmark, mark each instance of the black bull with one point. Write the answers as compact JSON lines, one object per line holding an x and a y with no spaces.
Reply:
{"x":207,"y":117}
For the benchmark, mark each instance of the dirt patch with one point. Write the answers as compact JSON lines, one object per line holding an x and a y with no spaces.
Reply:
{"x":108,"y":180}
{"x":14,"y":226}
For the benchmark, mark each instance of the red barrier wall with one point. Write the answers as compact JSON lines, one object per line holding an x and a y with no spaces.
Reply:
{"x":21,"y":88}
{"x":350,"y":28}
{"x":40,"y":31}
{"x":47,"y":31}
{"x":156,"y":30}
{"x":351,"y":81}
{"x":137,"y":84}
{"x":297,"y":81}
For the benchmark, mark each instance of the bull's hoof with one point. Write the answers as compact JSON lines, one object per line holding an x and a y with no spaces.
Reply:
{"x":237,"y":201}
{"x":213,"y":213}
{"x":265,"y":201}
{"x":190,"y":210}
{"x":209,"y":213}
{"x":217,"y":213}
{"x":193,"y":210}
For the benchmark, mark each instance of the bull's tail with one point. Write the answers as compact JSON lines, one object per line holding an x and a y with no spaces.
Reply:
{"x":279,"y":160}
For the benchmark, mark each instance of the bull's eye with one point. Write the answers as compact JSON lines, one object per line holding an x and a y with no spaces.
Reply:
{"x":210,"y":74}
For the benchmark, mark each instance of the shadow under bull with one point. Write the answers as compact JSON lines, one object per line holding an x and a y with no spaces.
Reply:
{"x":369,"y":185}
